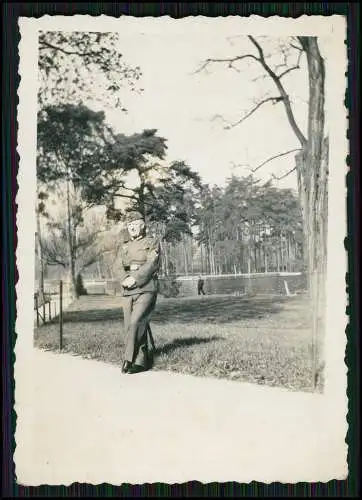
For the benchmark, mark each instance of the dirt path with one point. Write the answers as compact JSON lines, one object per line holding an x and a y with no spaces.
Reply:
{"x":83,"y":421}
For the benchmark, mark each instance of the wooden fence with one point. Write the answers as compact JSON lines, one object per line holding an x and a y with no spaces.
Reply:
{"x":45,"y":307}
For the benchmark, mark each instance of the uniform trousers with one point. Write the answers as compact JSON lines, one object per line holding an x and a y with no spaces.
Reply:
{"x":137,"y":311}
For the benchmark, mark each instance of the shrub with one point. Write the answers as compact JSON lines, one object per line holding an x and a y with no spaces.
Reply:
{"x":80,"y":290}
{"x":169,"y":287}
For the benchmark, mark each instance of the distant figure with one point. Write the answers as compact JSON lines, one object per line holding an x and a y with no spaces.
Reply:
{"x":200,"y":286}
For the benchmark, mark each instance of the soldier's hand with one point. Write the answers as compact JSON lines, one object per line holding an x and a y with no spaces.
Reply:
{"x":129,"y":282}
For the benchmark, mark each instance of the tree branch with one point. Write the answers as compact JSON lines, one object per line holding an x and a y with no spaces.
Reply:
{"x":52,"y":261}
{"x":85,"y":243}
{"x":93,"y":258}
{"x":301,"y":49}
{"x":276,"y":78}
{"x":229,"y":60}
{"x":284,"y":175}
{"x":297,"y":66}
{"x":289,"y":70}
{"x":274,"y":157}
{"x":118,"y":195}
{"x":46,"y":45}
{"x":303,"y":40}
{"x":273,"y":100}
{"x":238,"y":165}
{"x":282,"y":91}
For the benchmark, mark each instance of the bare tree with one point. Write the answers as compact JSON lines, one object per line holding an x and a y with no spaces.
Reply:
{"x":311,"y":164}
{"x":90,"y":241}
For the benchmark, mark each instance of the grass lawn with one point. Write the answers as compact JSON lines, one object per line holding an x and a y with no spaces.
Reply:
{"x":266,"y":340}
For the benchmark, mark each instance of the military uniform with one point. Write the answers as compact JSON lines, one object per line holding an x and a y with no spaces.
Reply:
{"x":140,"y":259}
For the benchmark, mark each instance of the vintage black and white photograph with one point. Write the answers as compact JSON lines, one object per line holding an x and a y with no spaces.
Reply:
{"x":181,"y":297}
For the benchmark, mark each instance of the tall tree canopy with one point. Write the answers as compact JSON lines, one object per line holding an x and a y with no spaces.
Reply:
{"x":68,"y":138}
{"x":80,"y":154}
{"x":243,"y":226}
{"x":163,"y":192}
{"x":120,"y":156}
{"x":80,"y":66}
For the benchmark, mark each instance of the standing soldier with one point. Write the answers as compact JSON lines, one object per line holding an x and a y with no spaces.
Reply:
{"x":139,"y":267}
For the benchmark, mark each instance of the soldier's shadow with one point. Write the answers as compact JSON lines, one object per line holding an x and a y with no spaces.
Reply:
{"x":179,"y":343}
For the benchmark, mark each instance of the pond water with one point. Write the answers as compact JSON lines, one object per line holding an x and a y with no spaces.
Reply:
{"x":271,"y":283}
{"x":244,"y":284}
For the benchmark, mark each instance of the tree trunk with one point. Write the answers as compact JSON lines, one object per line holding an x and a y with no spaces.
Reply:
{"x":213,"y":260}
{"x":165,"y":253}
{"x":265,"y":260}
{"x":40,"y":257}
{"x":184,"y":252}
{"x":201,"y":259}
{"x":288,"y":252}
{"x":318,"y":261}
{"x":72,"y":278}
{"x":278,"y":260}
{"x":141,"y":196}
{"x":192,"y":255}
{"x":207,"y":257}
{"x":211,"y":253}
{"x":98,"y":264}
{"x":249,"y":260}
{"x":312,"y":173}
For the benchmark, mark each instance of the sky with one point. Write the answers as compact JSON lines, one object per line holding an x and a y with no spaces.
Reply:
{"x":189,"y":108}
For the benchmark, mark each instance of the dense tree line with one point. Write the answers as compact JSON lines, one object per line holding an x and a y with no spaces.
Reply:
{"x":245,"y":227}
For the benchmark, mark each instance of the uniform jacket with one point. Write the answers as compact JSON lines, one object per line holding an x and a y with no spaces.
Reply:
{"x":140,"y":259}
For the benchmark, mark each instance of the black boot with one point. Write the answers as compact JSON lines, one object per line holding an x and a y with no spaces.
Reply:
{"x":126,"y":366}
{"x":141,"y":362}
{"x":137,"y":369}
{"x":150,"y":360}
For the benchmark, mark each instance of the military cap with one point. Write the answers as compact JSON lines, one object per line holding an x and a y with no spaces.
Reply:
{"x":134,"y":215}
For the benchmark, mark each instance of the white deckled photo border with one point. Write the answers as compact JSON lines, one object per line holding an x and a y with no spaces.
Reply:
{"x":334,"y":401}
